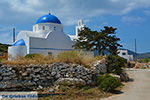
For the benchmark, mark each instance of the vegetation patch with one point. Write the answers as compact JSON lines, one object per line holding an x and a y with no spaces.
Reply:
{"x":108,"y":83}
{"x":146,"y":60}
{"x":84,"y":93}
{"x":115,"y":64}
{"x":3,"y":48}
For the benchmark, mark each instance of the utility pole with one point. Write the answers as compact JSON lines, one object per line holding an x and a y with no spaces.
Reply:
{"x":135,"y":44}
{"x":14,"y":35}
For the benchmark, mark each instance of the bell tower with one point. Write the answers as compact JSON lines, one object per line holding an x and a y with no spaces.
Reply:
{"x":80,"y":26}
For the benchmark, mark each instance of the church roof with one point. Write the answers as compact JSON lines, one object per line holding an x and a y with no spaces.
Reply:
{"x":48,"y":19}
{"x":19,"y":43}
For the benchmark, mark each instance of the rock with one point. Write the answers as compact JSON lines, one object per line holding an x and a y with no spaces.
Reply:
{"x":124,"y":77}
{"x":42,"y":78}
{"x":100,"y":66}
{"x":7,"y":74}
{"x":131,"y":64}
{"x":89,"y":82}
{"x":27,"y":78}
{"x":35,"y":76}
{"x":57,"y":75}
{"x":116,"y":76}
{"x":71,"y":82}
{"x":3,"y":85}
{"x":7,"y":78}
{"x":56,"y":87}
{"x":37,"y":70}
{"x":35,"y":79}
{"x":25,"y":74}
{"x":137,"y":65}
{"x":40,"y":87}
{"x":1,"y":64}
{"x":1,"y":78}
{"x":51,"y":90}
{"x":53,"y":73}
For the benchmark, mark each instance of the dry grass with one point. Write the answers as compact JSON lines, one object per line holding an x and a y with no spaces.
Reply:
{"x":99,"y":57}
{"x":27,"y":61}
{"x":78,"y":94}
{"x":65,"y":57}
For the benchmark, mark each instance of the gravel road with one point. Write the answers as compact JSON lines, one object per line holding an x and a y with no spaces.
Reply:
{"x":139,"y":89}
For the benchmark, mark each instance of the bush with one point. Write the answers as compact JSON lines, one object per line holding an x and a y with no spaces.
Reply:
{"x":31,"y":56}
{"x":99,"y":57}
{"x":145,"y":60}
{"x":69,"y":57}
{"x":75,"y":57}
{"x":108,"y":83}
{"x":115,"y":64}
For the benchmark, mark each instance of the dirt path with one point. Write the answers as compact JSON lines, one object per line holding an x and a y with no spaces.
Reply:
{"x":139,"y":89}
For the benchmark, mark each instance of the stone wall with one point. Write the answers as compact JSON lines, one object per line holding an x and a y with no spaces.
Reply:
{"x":34,"y":76}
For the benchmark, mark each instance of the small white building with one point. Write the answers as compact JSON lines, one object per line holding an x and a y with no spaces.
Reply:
{"x":125,"y":54}
{"x":47,"y":37}
{"x":80,"y":26}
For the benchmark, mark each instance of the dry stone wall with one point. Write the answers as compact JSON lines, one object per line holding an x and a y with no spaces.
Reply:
{"x":34,"y":76}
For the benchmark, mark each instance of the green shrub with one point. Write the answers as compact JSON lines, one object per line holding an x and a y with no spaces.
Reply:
{"x":115,"y":64}
{"x":145,"y":60}
{"x":31,"y":56}
{"x":108,"y":83}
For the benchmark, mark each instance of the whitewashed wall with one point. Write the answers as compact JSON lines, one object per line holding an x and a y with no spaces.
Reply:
{"x":55,"y":42}
{"x":15,"y":51}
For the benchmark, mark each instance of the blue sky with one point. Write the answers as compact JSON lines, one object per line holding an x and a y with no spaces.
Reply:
{"x":130,"y":17}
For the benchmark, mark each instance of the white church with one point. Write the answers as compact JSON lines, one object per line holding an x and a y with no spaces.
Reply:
{"x":47,"y":37}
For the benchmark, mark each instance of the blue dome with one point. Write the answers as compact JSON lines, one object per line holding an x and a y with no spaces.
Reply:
{"x":48,"y":19}
{"x":19,"y":43}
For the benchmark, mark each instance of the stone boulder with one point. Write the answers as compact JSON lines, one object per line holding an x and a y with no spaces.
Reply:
{"x":116,"y":76}
{"x":124,"y":77}
{"x":71,"y":82}
{"x":100,"y":66}
{"x":131,"y":64}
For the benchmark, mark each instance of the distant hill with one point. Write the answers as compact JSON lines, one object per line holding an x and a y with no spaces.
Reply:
{"x":139,"y":55}
{"x":143,"y":55}
{"x":3,"y":48}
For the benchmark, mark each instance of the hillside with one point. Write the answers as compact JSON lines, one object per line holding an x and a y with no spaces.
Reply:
{"x":139,"y":55}
{"x":144,"y":55}
{"x":3,"y":48}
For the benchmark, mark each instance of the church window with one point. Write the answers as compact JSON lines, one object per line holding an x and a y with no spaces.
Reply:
{"x":49,"y":53}
{"x":123,"y":53}
{"x":43,"y":27}
{"x":54,"y":28}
